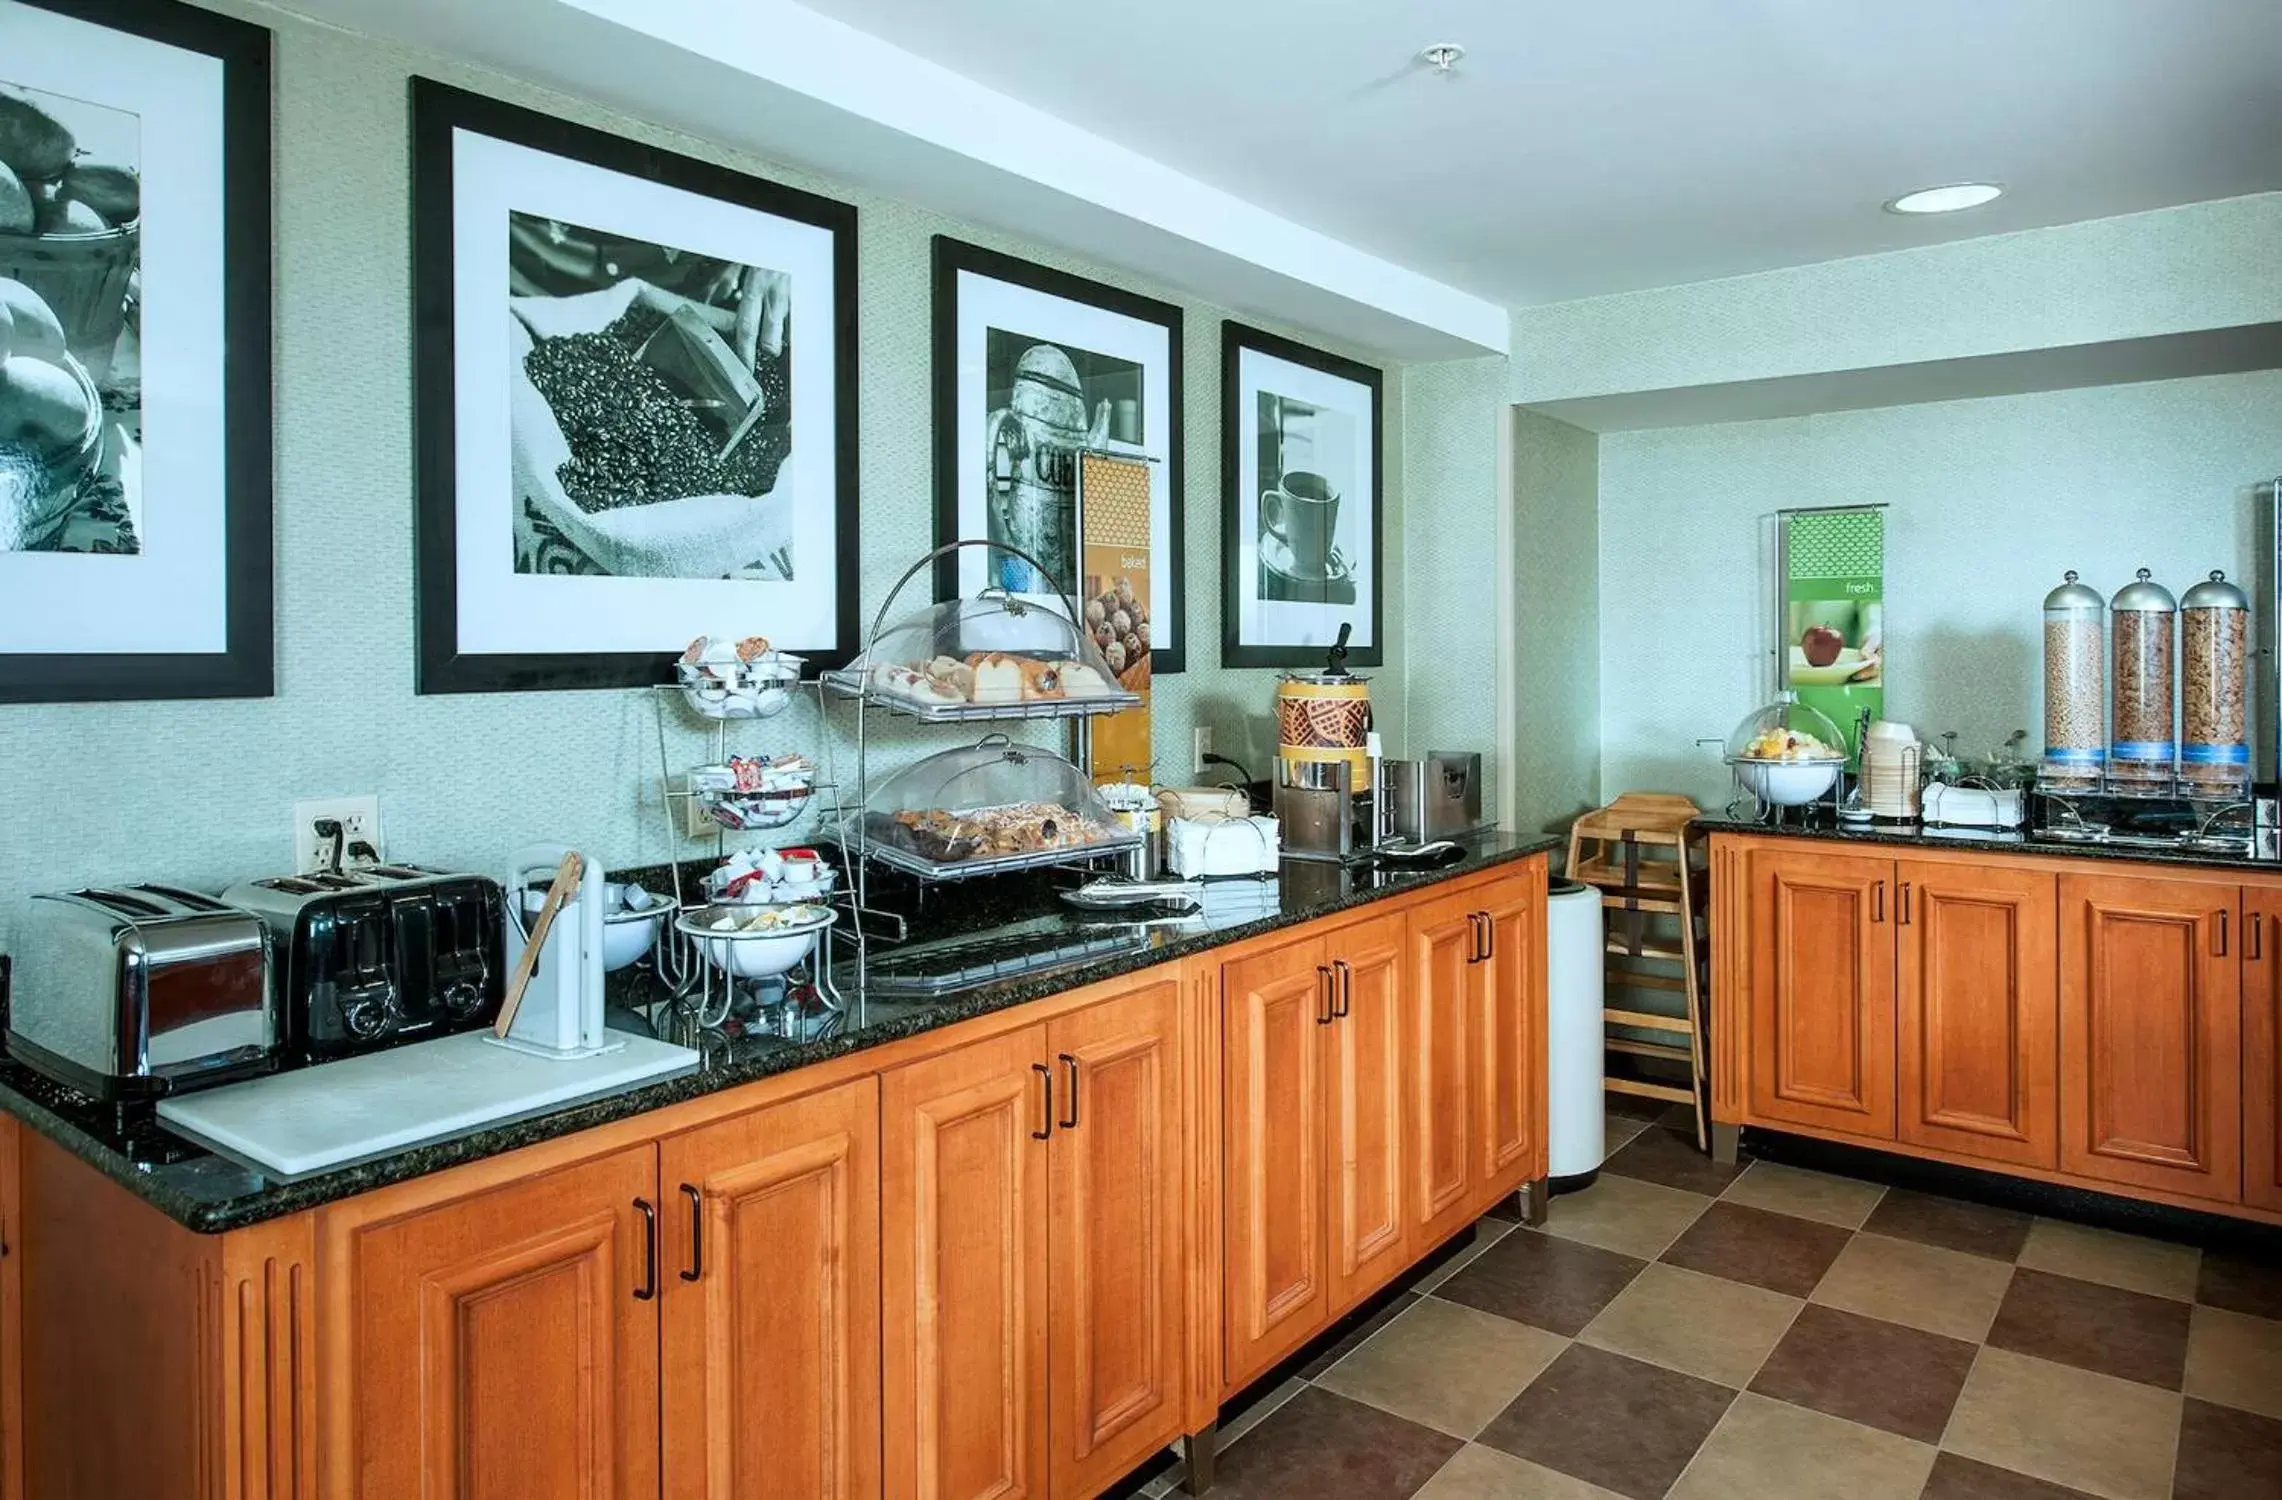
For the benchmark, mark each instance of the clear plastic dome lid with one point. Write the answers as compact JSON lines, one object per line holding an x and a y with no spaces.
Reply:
{"x":1787,"y":730}
{"x":990,"y":806}
{"x":994,"y":655}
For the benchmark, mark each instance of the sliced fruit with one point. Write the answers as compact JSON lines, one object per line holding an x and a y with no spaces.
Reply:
{"x":42,"y":408}
{"x":33,"y":143}
{"x":16,"y":214}
{"x":35,"y":330}
{"x":114,"y":192}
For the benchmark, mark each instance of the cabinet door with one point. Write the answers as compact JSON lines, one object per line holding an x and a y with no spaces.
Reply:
{"x":771,"y":1306}
{"x":1979,"y":1022}
{"x":1509,"y":985}
{"x":11,"y":1315}
{"x":1367,"y":1084}
{"x":1115,"y":1273}
{"x":1822,"y":990}
{"x":1275,"y":1007}
{"x":963,"y":1272}
{"x":1440,"y":1047}
{"x":501,"y":1348}
{"x":2150,"y":1033}
{"x":2262,"y":1049}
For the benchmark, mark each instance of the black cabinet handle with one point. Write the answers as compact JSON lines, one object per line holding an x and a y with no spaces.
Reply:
{"x":1905,"y":915}
{"x":648,"y":1290}
{"x":1046,"y":1088}
{"x":2254,"y":929}
{"x":1878,"y":901}
{"x":696,"y":1232}
{"x":1070,"y":1121}
{"x":1344,"y":992}
{"x":1324,"y":1013}
{"x":1474,"y":937}
{"x":2223,"y":915}
{"x":1489,"y":937}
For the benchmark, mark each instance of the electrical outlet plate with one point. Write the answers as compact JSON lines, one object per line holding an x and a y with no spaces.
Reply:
{"x":359,"y":818}
{"x":1203,"y":749}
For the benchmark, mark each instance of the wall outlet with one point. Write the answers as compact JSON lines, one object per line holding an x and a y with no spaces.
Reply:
{"x":1203,"y":749}
{"x":359,"y":818}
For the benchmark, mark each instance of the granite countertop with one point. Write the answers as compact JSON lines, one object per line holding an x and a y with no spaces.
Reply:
{"x":211,"y":1194}
{"x":1824,"y":825}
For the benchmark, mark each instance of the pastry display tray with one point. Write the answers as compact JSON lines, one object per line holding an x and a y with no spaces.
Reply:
{"x":994,"y":864}
{"x":852,"y":685}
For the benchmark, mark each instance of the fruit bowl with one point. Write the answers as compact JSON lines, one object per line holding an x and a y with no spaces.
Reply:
{"x":48,"y":494}
{"x":746,"y":942}
{"x":1788,"y":783}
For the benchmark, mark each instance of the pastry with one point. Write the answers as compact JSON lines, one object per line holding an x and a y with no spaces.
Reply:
{"x":1082,"y":681}
{"x":998,"y":678}
{"x":753,"y":647}
{"x":1041,"y":680}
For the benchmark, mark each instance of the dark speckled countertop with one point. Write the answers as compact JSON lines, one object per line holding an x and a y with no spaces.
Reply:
{"x":1825,"y":827}
{"x":210,"y":1194}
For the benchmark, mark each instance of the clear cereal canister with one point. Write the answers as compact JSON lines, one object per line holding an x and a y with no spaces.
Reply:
{"x":2214,"y":749}
{"x":2143,"y":755}
{"x":2075,"y":688}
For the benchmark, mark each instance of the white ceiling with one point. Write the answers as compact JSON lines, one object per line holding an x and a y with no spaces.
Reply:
{"x":1591,"y":146}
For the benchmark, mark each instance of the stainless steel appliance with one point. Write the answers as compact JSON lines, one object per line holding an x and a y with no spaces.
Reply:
{"x":375,"y":957}
{"x":132,"y":992}
{"x":1439,"y":797}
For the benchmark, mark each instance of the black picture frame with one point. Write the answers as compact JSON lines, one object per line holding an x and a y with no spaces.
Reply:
{"x":954,"y":256}
{"x":438,"y":110}
{"x":1236,"y":338}
{"x":246,"y":666}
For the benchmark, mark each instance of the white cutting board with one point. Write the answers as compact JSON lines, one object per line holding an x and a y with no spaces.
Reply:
{"x":291,"y":1125}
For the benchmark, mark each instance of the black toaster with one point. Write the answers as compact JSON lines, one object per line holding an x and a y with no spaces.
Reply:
{"x":377,"y":957}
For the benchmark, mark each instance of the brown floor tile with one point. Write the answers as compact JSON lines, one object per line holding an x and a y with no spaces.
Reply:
{"x":1920,"y":1286}
{"x":1542,"y":1281}
{"x":1997,"y":1233}
{"x":2241,"y":1284}
{"x":1611,"y":1421}
{"x":1956,"y":1477}
{"x":1776,"y":1251}
{"x":1354,"y":1337}
{"x":1764,"y":1449}
{"x":2227,"y":1455}
{"x":1479,"y":1473}
{"x":1488,"y":1230}
{"x":1699,"y":1325}
{"x":2236,"y":1360}
{"x":1664,"y":1156}
{"x":2107,"y":1437}
{"x":1319,"y":1444}
{"x":2156,"y":1267}
{"x":1808,"y":1195}
{"x":1449,"y":1367}
{"x":1625,"y":1215}
{"x":1879,"y":1374}
{"x":2105,"y":1329}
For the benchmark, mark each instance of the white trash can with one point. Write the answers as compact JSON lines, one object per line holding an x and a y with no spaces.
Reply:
{"x":1575,"y":996}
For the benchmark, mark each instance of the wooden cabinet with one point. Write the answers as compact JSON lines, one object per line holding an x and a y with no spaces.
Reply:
{"x":1977,"y":1011}
{"x":1509,"y":1027}
{"x":11,"y":1315}
{"x":1821,"y":1004}
{"x":506,"y":1345}
{"x":1451,"y":1052}
{"x":963,"y":1271}
{"x":2262,"y":1049}
{"x":1115,"y":1302}
{"x":1274,"y":1006}
{"x":1366,"y":1082}
{"x":2151,"y":1033}
{"x":771,"y":1302}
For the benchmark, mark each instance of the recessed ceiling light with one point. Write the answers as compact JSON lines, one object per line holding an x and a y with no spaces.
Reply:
{"x":1946,"y":200}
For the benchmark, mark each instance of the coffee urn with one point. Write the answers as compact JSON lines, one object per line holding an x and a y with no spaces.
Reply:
{"x":1323,"y":759}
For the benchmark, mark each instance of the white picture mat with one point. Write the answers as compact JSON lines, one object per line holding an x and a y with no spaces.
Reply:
{"x":173,"y":597}
{"x":985,"y":303}
{"x":1265,"y":622}
{"x":502,"y":612}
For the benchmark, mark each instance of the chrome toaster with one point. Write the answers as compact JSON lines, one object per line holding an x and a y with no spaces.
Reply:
{"x":137,"y":991}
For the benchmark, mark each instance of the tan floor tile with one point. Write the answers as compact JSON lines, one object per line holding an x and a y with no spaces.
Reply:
{"x":1625,"y":1215}
{"x":1699,"y":1325}
{"x":1478,"y":1473}
{"x":1809,"y":1195}
{"x":2109,"y":1437}
{"x":2235,"y":1360}
{"x":1449,"y":1367}
{"x":1919,"y":1286}
{"x":2157,"y":1267}
{"x":1766,"y":1449}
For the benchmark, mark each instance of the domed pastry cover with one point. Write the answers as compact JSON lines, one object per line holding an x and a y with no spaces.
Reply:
{"x":993,"y":656}
{"x":986,"y":808}
{"x":1789,"y":732}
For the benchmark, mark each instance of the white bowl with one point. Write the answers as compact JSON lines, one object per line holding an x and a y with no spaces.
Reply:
{"x":757,"y":689}
{"x":627,"y":935}
{"x":1788,"y":783}
{"x":753,"y":955}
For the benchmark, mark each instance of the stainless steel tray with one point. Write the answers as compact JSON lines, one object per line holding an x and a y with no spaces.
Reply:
{"x":852,"y":685}
{"x":996,"y":864}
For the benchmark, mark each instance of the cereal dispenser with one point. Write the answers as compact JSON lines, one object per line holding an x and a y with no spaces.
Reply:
{"x":2214,"y":752}
{"x":2143,"y":755}
{"x":2075,"y":688}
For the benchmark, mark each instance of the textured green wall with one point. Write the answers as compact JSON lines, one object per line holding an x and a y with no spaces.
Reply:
{"x":1557,"y":588}
{"x":202,"y":792}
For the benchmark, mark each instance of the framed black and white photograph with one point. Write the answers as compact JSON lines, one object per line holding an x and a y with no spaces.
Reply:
{"x":1033,"y":367}
{"x":1300,"y":506}
{"x":636,"y":404}
{"x":135,"y":530}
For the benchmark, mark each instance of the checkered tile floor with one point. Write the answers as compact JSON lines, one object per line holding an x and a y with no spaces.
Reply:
{"x":1761,"y":1332}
